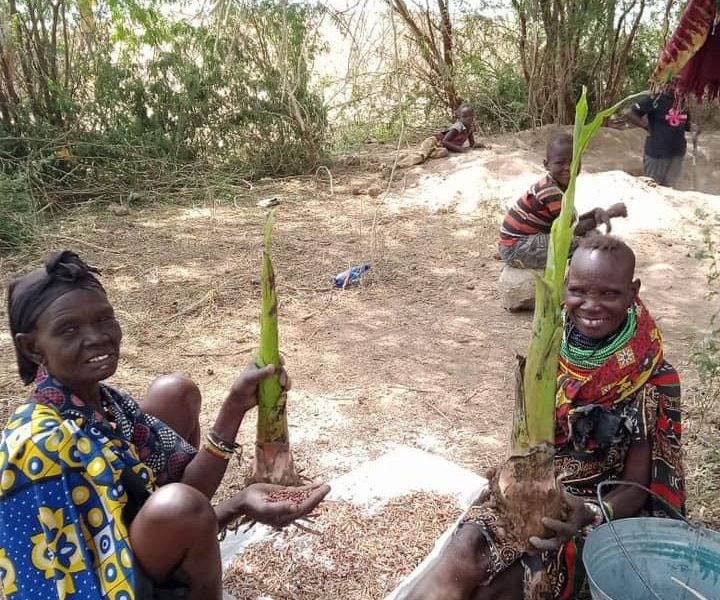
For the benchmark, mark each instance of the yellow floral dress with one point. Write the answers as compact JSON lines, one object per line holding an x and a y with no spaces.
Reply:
{"x":64,"y":506}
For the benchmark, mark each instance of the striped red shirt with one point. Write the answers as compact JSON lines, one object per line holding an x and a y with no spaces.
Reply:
{"x":533,"y":213}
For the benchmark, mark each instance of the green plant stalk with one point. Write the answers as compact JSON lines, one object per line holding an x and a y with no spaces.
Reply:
{"x":272,"y":417}
{"x":535,"y":425}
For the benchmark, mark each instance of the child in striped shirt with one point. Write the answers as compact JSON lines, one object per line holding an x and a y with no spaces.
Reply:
{"x":525,"y":231}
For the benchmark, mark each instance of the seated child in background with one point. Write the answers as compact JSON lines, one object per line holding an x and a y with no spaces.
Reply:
{"x":439,"y":145}
{"x":525,"y":231}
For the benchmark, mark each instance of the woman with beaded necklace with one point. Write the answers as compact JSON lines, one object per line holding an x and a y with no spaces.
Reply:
{"x":617,"y":417}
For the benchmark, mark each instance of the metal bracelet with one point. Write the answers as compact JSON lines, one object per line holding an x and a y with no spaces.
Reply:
{"x":597,"y":513}
{"x":218,"y":442}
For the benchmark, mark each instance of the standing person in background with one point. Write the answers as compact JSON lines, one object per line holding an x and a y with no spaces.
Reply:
{"x":666,"y":119}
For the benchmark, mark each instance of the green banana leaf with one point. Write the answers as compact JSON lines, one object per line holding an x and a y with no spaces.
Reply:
{"x":537,"y":423}
{"x":272,"y":418}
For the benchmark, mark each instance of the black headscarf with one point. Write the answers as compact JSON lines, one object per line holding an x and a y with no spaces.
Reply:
{"x":30,"y":295}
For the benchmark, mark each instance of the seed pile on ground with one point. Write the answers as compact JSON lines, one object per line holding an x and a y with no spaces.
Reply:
{"x":358,"y":556}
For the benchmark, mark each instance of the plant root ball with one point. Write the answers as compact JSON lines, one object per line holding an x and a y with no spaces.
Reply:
{"x":524,"y":490}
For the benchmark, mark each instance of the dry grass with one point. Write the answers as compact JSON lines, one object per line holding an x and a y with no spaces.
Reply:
{"x":702,"y":450}
{"x":363,"y":557}
{"x":419,"y":356}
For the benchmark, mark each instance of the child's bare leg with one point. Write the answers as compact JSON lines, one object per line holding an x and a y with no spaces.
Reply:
{"x":439,"y":152}
{"x":419,"y":156}
{"x":428,"y":146}
{"x":177,"y":527}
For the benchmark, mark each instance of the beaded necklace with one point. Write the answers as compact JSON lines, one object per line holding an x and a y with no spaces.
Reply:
{"x":587,"y":353}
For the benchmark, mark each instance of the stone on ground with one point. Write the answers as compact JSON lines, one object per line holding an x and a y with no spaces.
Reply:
{"x":517,"y":288}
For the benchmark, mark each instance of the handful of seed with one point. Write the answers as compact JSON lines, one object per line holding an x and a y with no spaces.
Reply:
{"x":296,"y":496}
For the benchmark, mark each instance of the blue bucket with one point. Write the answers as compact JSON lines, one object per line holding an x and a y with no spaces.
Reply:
{"x":676,"y":560}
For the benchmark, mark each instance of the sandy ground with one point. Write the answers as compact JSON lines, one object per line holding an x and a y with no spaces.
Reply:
{"x":422,"y":353}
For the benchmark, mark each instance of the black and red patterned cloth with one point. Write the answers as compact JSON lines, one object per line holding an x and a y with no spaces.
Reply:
{"x":637,"y":392}
{"x":156,"y":444}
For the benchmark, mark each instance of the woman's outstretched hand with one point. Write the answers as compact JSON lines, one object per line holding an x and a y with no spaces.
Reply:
{"x":563,"y":531}
{"x":279,"y":506}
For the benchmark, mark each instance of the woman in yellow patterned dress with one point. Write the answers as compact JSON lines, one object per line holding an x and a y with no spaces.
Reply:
{"x":102,"y":497}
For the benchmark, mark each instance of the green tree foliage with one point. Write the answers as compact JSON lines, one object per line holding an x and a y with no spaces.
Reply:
{"x":489,"y":75}
{"x":524,"y":62}
{"x":609,"y":46}
{"x":98,"y":99}
{"x":105,"y":99}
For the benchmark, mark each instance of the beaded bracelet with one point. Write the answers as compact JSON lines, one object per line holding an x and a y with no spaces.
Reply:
{"x":609,"y":510}
{"x":596,"y":512}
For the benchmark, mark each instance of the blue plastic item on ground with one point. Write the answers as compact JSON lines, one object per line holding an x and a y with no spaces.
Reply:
{"x":351,"y":276}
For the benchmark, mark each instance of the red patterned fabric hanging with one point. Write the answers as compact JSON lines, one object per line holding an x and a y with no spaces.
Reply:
{"x":690,"y":62}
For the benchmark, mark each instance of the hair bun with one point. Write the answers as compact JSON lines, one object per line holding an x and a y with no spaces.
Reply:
{"x":68,"y":266}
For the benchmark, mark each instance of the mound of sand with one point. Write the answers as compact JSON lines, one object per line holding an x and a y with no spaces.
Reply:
{"x":489,"y":179}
